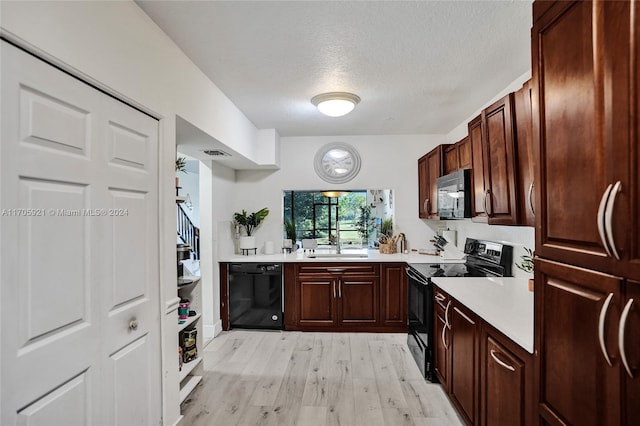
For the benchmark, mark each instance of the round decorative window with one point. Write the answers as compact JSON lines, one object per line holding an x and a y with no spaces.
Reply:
{"x":337,"y":162}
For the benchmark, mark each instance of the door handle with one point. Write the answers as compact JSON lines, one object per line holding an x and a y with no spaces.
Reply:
{"x":501,"y":363}
{"x":621,"y":332}
{"x":336,"y":270}
{"x":333,"y":286}
{"x":601,"y":320}
{"x":133,"y":324}
{"x":533,"y":210}
{"x":339,"y":289}
{"x":439,"y":297}
{"x":600,"y":218}
{"x":608,"y":218}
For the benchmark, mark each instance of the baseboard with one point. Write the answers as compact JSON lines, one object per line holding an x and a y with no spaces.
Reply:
{"x":211,"y":331}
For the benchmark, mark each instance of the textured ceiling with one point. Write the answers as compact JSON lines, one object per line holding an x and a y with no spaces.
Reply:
{"x":420,"y":67}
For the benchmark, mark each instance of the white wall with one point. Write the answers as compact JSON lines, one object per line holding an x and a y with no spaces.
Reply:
{"x":217,"y":192}
{"x":388,"y":162}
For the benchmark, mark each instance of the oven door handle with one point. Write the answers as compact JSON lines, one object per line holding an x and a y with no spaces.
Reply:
{"x":411,"y":274}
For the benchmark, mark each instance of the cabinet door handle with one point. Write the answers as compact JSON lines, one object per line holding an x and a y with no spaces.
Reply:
{"x":621,"y":332}
{"x":502,"y":363}
{"x":600,"y":218}
{"x":439,"y":297}
{"x":444,"y":341}
{"x":533,"y":210}
{"x":333,"y":286}
{"x":426,"y":206}
{"x":487,"y":195}
{"x":446,"y":315}
{"x":339,"y":289}
{"x":603,"y":317}
{"x":336,"y":270}
{"x":608,"y":218}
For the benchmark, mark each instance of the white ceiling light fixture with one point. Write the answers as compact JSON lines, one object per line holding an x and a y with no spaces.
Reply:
{"x":335,"y":104}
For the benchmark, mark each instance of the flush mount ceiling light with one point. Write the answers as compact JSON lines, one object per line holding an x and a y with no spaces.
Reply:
{"x":335,"y":104}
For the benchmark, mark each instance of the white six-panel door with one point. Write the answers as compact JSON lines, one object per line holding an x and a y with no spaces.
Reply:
{"x":80,"y":324}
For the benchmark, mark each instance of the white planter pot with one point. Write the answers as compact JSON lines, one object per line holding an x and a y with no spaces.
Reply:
{"x":248,"y":242}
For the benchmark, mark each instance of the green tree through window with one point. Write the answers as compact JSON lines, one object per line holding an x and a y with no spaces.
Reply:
{"x":315,"y":215}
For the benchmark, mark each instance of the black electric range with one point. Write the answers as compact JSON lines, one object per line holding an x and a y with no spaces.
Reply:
{"x":484,"y":259}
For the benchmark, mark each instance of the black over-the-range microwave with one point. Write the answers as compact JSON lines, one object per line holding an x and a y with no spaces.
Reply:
{"x":454,"y":195}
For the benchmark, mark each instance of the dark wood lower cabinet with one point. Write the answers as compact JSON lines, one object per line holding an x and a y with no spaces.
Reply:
{"x":578,"y":364}
{"x":441,"y":339}
{"x":488,"y":378}
{"x":631,"y":345}
{"x":465,"y":335}
{"x":345,"y":297}
{"x":358,"y":300}
{"x":506,"y":385}
{"x":393,"y":295}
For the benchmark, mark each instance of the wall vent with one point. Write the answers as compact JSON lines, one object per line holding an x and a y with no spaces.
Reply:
{"x":217,"y":153}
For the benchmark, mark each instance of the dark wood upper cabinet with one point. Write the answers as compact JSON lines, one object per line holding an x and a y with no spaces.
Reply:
{"x":476,"y":140}
{"x":457,"y":156}
{"x":430,"y":167}
{"x":524,"y":149}
{"x":451,"y":160}
{"x":585,"y":129}
{"x":500,"y":171}
{"x":464,"y":153}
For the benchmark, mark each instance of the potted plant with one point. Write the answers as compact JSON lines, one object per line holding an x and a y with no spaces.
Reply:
{"x":290,"y":233}
{"x":249,"y":222}
{"x":181,"y":166}
{"x":526,"y":264}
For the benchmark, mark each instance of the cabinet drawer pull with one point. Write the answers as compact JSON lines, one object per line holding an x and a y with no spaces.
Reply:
{"x":496,"y":359}
{"x":601,"y":320}
{"x":600,"y":219}
{"x":336,"y":270}
{"x":621,"y":332}
{"x":439,"y":297}
{"x":608,"y":219}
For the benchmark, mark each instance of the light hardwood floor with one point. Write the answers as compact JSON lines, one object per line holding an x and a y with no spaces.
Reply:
{"x":314,"y":379}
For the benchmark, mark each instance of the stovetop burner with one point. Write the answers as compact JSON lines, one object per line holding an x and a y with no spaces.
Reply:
{"x":484,"y":259}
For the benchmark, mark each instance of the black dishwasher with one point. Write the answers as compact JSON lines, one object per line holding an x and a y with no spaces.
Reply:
{"x":255,"y":295}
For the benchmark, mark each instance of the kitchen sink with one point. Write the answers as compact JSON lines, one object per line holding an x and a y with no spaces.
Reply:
{"x":338,"y":255}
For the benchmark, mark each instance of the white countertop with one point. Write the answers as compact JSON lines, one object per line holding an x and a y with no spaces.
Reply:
{"x":505,"y":303}
{"x":373,"y":256}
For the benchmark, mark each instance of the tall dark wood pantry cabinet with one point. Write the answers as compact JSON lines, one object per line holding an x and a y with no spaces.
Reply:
{"x":585,"y":109}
